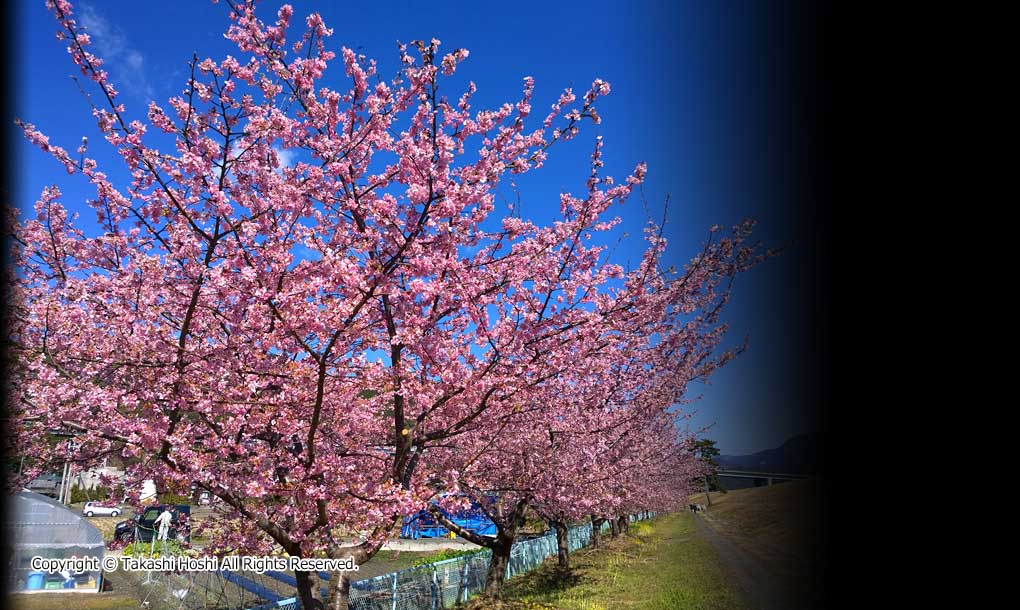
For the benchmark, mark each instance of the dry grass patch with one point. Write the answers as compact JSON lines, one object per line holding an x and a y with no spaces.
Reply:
{"x":71,"y":601}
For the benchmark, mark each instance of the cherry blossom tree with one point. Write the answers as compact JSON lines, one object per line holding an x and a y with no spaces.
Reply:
{"x":315,"y":344}
{"x":600,"y":438}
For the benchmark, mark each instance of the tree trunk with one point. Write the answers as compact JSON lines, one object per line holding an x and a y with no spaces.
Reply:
{"x":306,"y":591}
{"x":596,"y":531}
{"x":497,"y":567}
{"x":501,"y":545}
{"x":614,"y":528}
{"x":562,"y":544}
{"x":339,"y":591}
{"x":623,"y":524}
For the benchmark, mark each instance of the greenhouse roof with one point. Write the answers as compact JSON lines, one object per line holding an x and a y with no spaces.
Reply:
{"x":36,"y":521}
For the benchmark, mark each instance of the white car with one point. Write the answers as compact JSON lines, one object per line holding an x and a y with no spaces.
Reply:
{"x":92,"y":509}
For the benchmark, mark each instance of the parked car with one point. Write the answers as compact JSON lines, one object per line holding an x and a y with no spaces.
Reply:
{"x":145,"y":523}
{"x":46,"y":484}
{"x":100,"y":509}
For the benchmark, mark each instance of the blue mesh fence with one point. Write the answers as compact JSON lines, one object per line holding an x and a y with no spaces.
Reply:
{"x":445,"y":583}
{"x":435,"y":586}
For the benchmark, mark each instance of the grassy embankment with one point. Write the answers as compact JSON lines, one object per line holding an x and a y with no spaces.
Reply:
{"x":778,"y":526}
{"x":661,"y":565}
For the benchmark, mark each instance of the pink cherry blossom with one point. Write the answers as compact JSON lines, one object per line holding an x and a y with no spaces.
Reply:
{"x":333,"y":344}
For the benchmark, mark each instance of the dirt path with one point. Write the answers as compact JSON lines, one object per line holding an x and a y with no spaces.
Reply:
{"x":754,"y":578}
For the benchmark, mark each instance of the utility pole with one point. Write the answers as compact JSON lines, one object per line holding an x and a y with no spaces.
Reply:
{"x":70,"y":481}
{"x":63,"y":482}
{"x":68,"y":473}
{"x":708,"y":495}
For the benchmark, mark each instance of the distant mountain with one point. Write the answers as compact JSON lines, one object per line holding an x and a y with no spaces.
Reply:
{"x":798,"y":455}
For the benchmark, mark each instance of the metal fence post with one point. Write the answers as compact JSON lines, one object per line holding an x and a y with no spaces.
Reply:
{"x":435,"y":588}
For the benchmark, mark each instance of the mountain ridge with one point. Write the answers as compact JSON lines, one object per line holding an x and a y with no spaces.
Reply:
{"x":798,"y":455}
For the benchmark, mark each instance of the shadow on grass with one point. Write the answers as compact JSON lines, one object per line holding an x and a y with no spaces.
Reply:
{"x":546,"y":582}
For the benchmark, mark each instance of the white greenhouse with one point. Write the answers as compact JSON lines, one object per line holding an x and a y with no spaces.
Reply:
{"x":40,"y":526}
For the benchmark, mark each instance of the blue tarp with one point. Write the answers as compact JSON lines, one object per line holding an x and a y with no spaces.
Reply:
{"x":425,"y":525}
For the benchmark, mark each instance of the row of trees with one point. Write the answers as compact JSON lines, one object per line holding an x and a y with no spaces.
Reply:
{"x":330,"y":346}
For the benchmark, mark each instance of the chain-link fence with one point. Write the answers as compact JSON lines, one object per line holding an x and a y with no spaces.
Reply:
{"x":433,"y":586}
{"x":445,"y":583}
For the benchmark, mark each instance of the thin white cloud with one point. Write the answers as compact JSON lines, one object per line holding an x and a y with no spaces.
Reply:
{"x":125,"y":63}
{"x":135,"y":60}
{"x":286,"y":157}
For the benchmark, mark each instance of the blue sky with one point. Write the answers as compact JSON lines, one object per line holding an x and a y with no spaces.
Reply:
{"x":699,"y":92}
